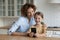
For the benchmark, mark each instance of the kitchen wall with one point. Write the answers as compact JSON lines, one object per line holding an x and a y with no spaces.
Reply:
{"x":51,"y":13}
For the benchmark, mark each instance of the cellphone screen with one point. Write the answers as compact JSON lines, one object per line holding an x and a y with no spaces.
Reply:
{"x":33,"y":30}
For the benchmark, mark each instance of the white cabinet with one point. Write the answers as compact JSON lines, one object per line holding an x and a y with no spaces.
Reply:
{"x":53,"y":33}
{"x":2,"y":8}
{"x":56,"y":34}
{"x":49,"y":33}
{"x":12,"y":7}
{"x":3,"y":31}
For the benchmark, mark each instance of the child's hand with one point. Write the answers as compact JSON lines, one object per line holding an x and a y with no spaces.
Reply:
{"x":31,"y":34}
{"x":40,"y":35}
{"x":37,"y":35}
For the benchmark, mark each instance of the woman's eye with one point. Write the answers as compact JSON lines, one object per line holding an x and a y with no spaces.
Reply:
{"x":38,"y":18}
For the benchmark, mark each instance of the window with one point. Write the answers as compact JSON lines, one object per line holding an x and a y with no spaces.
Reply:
{"x":2,"y":7}
{"x":20,"y":4}
{"x":12,"y":7}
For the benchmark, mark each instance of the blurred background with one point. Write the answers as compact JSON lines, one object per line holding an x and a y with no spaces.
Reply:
{"x":10,"y":12}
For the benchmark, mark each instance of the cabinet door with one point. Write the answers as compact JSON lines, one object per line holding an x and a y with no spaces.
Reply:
{"x":56,"y":34}
{"x":49,"y":33}
{"x":20,"y":3}
{"x":12,"y":7}
{"x":3,"y":31}
{"x":2,"y":7}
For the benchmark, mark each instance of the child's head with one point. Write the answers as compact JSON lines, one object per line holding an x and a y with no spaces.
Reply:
{"x":38,"y":17}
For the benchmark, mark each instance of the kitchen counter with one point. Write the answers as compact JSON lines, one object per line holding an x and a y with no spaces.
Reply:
{"x":7,"y":37}
{"x":53,"y":29}
{"x":5,"y":27}
{"x":49,"y":28}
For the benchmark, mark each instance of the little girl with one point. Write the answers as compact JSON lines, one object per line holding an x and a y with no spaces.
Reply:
{"x":40,"y":26}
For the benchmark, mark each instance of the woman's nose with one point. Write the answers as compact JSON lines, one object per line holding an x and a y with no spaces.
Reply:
{"x":32,"y":14}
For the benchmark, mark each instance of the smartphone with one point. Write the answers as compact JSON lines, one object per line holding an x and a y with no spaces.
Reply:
{"x":33,"y":30}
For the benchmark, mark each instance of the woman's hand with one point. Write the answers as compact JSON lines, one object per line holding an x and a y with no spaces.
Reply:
{"x":31,"y":34}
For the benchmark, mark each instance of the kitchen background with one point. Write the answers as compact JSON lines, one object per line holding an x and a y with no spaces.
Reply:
{"x":10,"y":11}
{"x":51,"y":11}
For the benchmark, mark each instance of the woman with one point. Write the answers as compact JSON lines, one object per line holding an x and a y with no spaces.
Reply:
{"x":26,"y":19}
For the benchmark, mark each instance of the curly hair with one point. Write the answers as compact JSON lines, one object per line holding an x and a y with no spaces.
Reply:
{"x":25,"y":7}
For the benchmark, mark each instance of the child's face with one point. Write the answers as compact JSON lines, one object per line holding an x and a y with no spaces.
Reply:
{"x":38,"y":19}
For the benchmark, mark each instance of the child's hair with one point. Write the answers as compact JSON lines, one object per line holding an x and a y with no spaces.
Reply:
{"x":38,"y":13}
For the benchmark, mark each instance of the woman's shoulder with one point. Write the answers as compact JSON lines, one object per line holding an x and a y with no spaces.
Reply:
{"x":22,"y":18}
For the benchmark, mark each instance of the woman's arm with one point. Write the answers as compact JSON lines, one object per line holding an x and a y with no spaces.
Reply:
{"x":19,"y":34}
{"x":29,"y":33}
{"x":15,"y":26}
{"x":29,"y":30}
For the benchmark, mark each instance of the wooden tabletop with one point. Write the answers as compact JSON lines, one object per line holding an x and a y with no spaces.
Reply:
{"x":53,"y":29}
{"x":7,"y":37}
{"x":49,"y":29}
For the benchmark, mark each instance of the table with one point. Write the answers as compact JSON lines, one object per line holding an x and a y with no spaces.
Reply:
{"x":7,"y":37}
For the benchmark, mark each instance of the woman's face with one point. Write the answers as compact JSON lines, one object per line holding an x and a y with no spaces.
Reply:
{"x":30,"y":12}
{"x":38,"y":19}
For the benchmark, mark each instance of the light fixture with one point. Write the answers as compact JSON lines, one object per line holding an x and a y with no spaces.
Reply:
{"x":54,"y":1}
